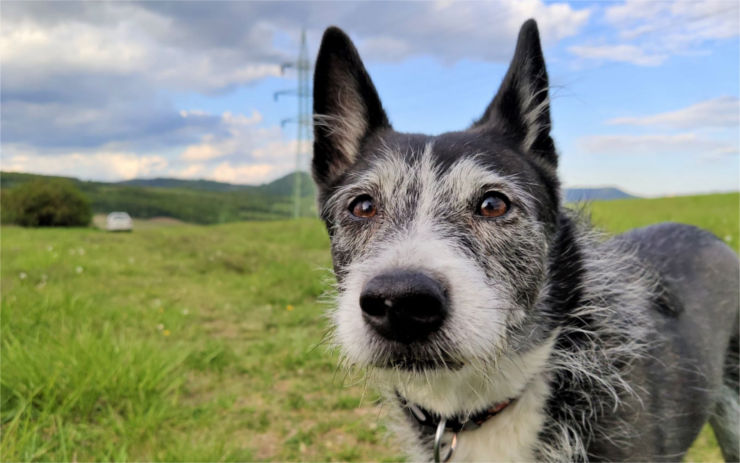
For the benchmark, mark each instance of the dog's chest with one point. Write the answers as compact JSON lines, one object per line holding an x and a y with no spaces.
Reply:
{"x":510,"y":436}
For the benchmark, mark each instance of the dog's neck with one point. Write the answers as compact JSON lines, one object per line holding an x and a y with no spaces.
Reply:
{"x":469,"y":390}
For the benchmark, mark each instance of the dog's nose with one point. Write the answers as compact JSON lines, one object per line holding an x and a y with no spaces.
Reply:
{"x":404,"y":305}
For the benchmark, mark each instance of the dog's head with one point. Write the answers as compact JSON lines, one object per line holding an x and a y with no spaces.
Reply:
{"x":439,"y":243}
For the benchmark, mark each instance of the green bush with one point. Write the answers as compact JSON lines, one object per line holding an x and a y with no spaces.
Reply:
{"x":46,"y":203}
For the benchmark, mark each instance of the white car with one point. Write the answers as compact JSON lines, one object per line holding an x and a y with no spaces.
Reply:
{"x":119,"y":221}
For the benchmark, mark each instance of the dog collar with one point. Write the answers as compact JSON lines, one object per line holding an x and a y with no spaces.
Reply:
{"x":429,"y":421}
{"x":436,"y":425}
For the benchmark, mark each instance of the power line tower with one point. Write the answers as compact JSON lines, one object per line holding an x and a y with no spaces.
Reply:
{"x":303,"y":119}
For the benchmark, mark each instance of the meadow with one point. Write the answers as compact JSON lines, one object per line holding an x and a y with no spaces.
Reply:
{"x":204,"y":343}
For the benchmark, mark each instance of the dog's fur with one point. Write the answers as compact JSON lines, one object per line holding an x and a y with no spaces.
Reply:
{"x":617,"y":349}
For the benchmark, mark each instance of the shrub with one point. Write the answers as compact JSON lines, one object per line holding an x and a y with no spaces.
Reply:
{"x":46,"y":203}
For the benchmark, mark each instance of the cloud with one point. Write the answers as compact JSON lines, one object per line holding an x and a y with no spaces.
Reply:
{"x":717,"y":112}
{"x":237,"y":134}
{"x":211,"y":47}
{"x":455,"y":30}
{"x":109,"y":166}
{"x":621,"y":53}
{"x":680,"y":23}
{"x":94,"y":80}
{"x":240,"y":138}
{"x":249,"y":173}
{"x":236,"y":149}
{"x":682,"y":143}
{"x":648,"y":33}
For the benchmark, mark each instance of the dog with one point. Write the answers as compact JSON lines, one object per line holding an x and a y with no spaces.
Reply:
{"x":496,"y":323}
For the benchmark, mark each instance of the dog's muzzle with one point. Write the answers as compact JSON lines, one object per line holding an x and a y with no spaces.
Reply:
{"x":404,"y":305}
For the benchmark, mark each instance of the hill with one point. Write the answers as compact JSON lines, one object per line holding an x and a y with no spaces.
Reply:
{"x":207,"y":185}
{"x":197,"y":201}
{"x":572,"y":195}
{"x":283,"y":186}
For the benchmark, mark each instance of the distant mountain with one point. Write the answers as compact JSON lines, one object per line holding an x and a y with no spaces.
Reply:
{"x":573,"y":195}
{"x":284,"y":185}
{"x":280,"y":187}
{"x":198,"y":201}
{"x":206,"y":185}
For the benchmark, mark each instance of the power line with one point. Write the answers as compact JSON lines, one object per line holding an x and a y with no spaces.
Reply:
{"x":303,"y":119}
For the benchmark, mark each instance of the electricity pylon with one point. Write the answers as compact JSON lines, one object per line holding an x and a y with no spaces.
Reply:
{"x":303,"y":119}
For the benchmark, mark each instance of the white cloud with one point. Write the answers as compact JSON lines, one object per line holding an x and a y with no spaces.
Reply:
{"x":621,"y":53}
{"x":717,"y":112}
{"x":108,"y":166}
{"x":240,"y":136}
{"x":456,"y":30}
{"x":648,"y":32}
{"x":680,"y":23}
{"x":191,"y":46}
{"x":249,"y":173}
{"x":682,"y":143}
{"x":80,"y":77}
{"x":238,"y":150}
{"x":34,"y":51}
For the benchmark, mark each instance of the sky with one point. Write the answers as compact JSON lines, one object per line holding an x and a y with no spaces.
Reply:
{"x":644,"y":94}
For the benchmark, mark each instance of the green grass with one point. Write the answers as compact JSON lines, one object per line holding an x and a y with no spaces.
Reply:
{"x":203,"y":343}
{"x":717,"y":213}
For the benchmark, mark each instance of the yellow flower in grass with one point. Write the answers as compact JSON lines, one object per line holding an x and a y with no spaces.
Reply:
{"x":289,"y":307}
{"x":166,"y":332}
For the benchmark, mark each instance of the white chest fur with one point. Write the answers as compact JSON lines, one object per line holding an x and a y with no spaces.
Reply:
{"x":509,"y":436}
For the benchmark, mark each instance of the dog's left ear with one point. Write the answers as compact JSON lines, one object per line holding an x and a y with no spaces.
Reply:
{"x":521,"y":108}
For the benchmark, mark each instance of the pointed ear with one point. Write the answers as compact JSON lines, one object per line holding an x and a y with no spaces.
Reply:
{"x":346,"y":107}
{"x":521,"y":108}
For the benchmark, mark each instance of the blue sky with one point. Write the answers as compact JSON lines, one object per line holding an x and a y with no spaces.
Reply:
{"x":644,"y":97}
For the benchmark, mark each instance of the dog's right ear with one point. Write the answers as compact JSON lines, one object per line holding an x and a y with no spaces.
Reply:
{"x":521,"y":108}
{"x":346,"y":107}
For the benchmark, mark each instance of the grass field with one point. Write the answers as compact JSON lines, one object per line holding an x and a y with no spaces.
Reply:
{"x":203,"y":343}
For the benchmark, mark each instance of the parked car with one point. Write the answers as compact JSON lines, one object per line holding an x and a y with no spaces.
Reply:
{"x":119,"y":221}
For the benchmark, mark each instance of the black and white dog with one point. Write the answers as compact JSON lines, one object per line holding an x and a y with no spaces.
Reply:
{"x":497,"y":324}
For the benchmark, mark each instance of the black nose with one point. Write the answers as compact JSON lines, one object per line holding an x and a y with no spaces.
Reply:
{"x":404,"y":305}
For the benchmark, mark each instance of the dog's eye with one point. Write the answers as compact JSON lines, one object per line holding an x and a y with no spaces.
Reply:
{"x":363,"y":207}
{"x":493,"y":204}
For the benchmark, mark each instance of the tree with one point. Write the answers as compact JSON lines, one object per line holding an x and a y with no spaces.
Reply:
{"x":46,"y":203}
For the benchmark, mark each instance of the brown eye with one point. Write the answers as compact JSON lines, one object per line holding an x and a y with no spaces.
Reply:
{"x":363,"y":207}
{"x":493,"y":204}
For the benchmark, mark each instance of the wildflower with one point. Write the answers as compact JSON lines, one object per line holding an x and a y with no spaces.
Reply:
{"x":78,"y":269}
{"x":289,"y":307}
{"x":160,"y":327}
{"x":185,"y":311}
{"x":728,"y":238}
{"x":166,"y":332}
{"x":22,"y":275}
{"x":80,"y":251}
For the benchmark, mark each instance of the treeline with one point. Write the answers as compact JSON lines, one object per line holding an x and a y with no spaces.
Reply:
{"x":191,"y":201}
